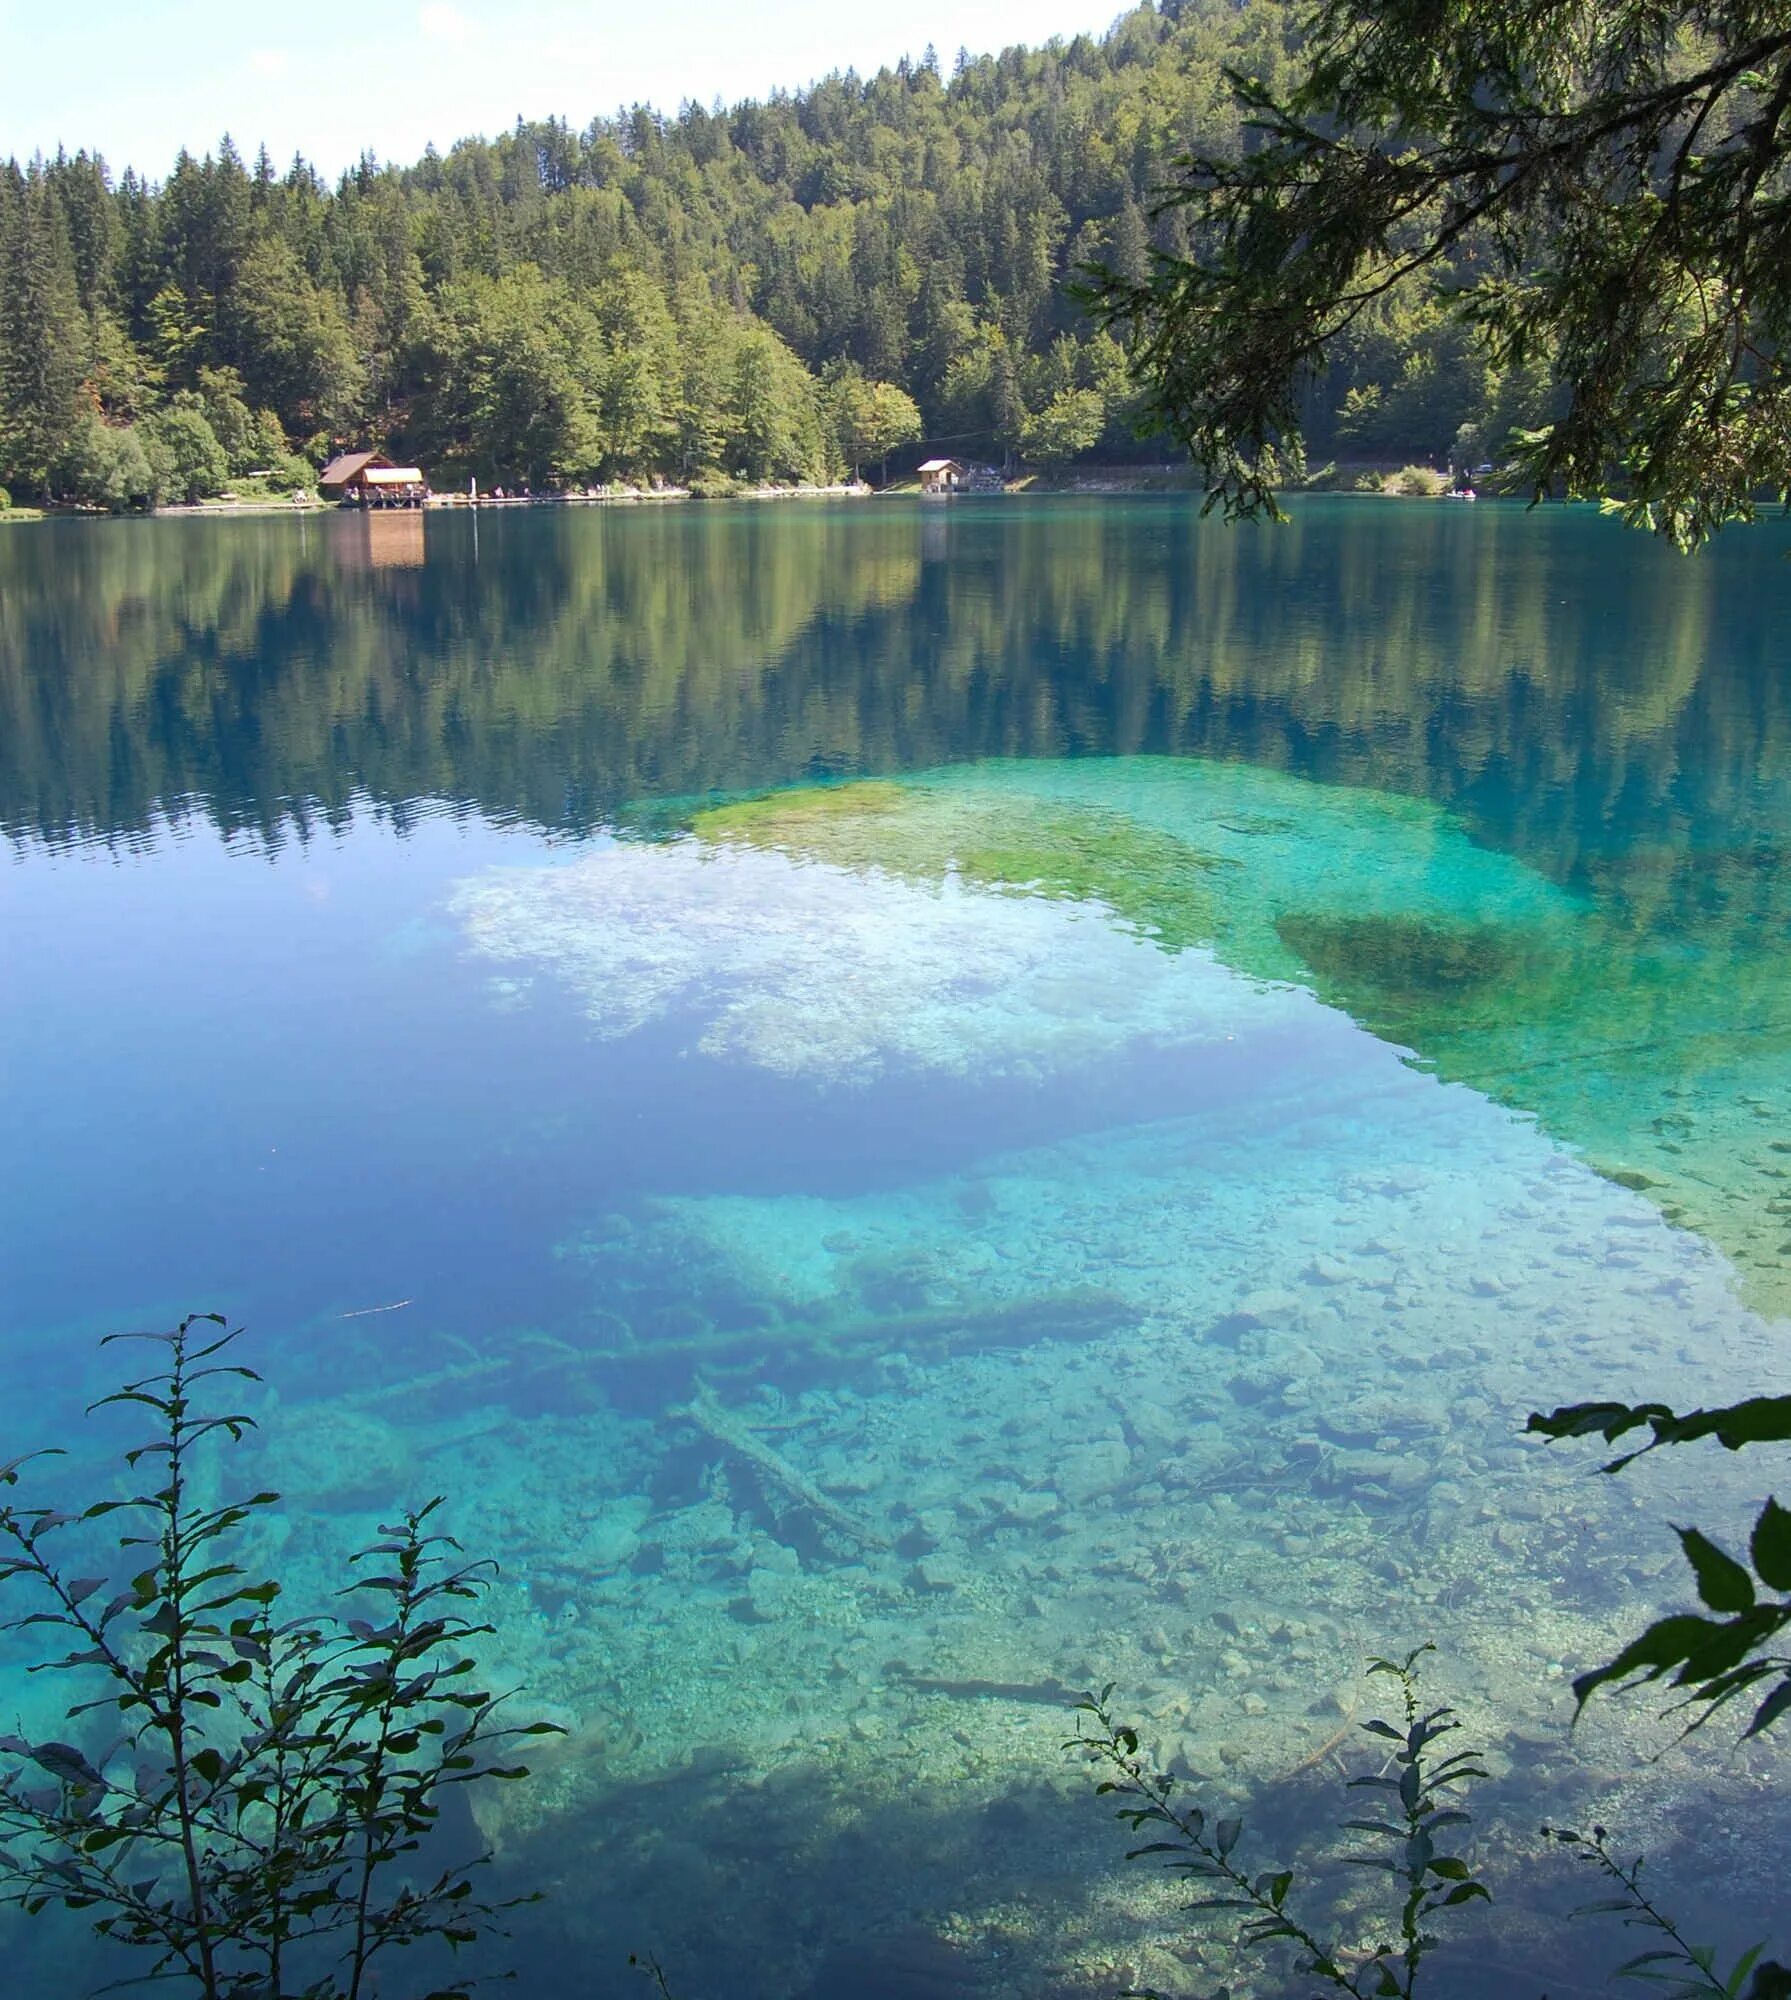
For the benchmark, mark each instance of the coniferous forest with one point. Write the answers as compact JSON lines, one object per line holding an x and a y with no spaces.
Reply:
{"x":785,"y":291}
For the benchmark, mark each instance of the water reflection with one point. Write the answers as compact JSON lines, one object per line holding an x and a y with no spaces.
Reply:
{"x":1559,"y":682}
{"x":386,"y":540}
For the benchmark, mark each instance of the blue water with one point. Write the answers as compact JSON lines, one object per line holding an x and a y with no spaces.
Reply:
{"x":1126,"y":1055}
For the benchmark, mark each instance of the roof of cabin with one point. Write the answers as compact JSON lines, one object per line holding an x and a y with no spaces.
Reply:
{"x":342,"y":469}
{"x":942,"y":465}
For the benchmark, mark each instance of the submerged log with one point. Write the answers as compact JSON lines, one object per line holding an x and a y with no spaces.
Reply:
{"x":1050,"y":1693}
{"x":775,"y":1474}
{"x":1082,"y":1313}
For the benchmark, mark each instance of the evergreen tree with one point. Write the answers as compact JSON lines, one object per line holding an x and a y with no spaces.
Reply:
{"x":41,"y":336}
{"x":290,"y":341}
{"x":649,"y":297}
{"x":1601,"y":190}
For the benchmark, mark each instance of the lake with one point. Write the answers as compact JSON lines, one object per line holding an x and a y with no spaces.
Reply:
{"x":912,"y":1108}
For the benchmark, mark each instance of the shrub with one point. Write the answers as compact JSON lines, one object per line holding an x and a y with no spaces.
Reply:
{"x":1420,"y":1791}
{"x":1689,"y":1971}
{"x":1420,"y":482}
{"x":1421,"y":1804}
{"x":256,"y":1830}
{"x":1370,"y":482}
{"x":288,"y":473}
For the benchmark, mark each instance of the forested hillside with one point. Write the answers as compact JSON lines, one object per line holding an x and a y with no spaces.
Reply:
{"x":781,"y":291}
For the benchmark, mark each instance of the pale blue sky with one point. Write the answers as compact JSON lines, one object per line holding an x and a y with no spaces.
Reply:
{"x":137,"y":81}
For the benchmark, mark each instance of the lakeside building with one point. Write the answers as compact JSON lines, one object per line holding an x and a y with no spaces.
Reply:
{"x":940,"y":477}
{"x":365,"y":479}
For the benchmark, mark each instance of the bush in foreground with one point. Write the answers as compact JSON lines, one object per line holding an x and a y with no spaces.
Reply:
{"x":255,"y":1828}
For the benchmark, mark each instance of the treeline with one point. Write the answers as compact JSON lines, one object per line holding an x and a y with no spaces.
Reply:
{"x":787,"y":291}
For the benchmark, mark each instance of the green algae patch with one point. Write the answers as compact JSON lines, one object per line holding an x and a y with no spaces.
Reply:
{"x":1154,"y":882}
{"x":785,"y":819}
{"x":1390,"y":968}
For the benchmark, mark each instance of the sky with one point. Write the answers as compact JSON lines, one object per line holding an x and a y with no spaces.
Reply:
{"x":332,"y":78}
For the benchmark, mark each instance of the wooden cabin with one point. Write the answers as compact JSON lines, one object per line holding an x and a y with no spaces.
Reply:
{"x":943,"y":475}
{"x":365,"y":479}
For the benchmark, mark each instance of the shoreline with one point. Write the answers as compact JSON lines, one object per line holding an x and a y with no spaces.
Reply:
{"x":1094,"y":483}
{"x":229,"y":509}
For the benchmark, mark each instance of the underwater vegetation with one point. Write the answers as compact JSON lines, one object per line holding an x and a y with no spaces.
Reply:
{"x":1647,"y":1029}
{"x":1154,"y":882}
{"x":1382,"y":1944}
{"x":1396,"y":967}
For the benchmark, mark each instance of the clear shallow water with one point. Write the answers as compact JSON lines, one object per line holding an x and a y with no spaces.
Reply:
{"x":1247,"y":1018}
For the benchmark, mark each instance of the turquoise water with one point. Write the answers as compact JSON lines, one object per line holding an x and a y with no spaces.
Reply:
{"x":909,"y":1109}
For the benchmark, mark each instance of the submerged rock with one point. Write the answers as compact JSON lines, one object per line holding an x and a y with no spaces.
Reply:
{"x":1088,"y":1472}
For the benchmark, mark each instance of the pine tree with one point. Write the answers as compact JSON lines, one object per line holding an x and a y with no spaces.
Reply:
{"x":41,"y":337}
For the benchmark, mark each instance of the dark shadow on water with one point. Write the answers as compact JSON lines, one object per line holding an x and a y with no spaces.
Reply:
{"x":781,"y":1889}
{"x":783,"y":1886}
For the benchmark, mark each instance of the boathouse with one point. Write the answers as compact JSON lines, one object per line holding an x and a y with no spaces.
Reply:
{"x":365,"y":479}
{"x":943,"y":475}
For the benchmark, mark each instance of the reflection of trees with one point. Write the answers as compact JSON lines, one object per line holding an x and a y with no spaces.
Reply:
{"x":1543,"y":676}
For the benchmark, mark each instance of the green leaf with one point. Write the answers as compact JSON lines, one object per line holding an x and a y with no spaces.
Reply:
{"x":1722,"y":1582}
{"x":1770,"y":1546}
{"x":1727,"y":1646}
{"x":1743,"y":1966}
{"x":1642,"y":1958}
{"x":1758,"y":1420}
